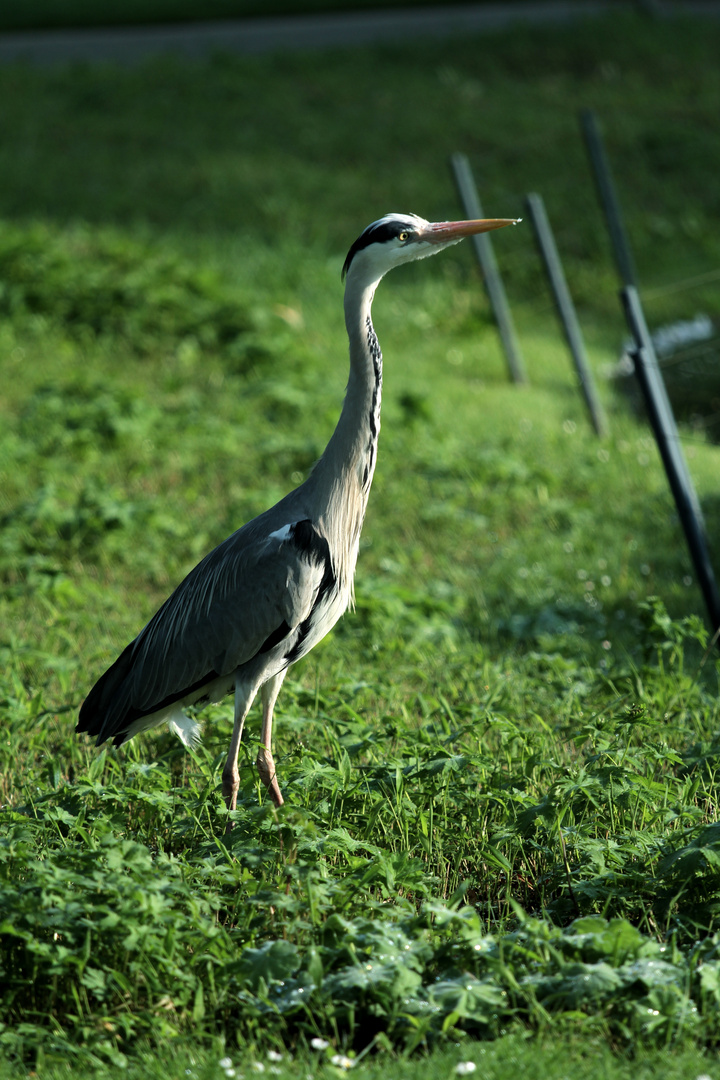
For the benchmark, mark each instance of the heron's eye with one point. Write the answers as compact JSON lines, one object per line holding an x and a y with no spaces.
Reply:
{"x":403,"y":236}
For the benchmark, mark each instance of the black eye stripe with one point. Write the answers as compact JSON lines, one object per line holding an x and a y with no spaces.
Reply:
{"x":380,"y":232}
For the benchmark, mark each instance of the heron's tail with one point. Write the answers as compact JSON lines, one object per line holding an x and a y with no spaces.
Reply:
{"x":104,"y":713}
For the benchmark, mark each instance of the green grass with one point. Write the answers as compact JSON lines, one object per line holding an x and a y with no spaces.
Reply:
{"x":585,"y":1056}
{"x":501,"y":770}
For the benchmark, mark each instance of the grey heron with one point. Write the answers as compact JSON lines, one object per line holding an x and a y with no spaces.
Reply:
{"x":270,"y":592}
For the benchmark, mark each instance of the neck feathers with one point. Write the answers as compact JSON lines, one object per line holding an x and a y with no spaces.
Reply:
{"x":344,"y":473}
{"x":375,"y":356}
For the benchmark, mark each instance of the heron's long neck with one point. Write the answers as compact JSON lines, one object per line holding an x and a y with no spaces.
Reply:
{"x":359,"y":422}
{"x":345,"y":471}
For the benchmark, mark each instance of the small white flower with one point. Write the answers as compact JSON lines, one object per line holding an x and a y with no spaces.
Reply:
{"x":273,"y":1055}
{"x":230,"y":1073}
{"x":225,"y":1063}
{"x":341,"y":1061}
{"x":704,"y":1076}
{"x":464,"y":1067}
{"x":319,"y":1044}
{"x":258,"y":1066}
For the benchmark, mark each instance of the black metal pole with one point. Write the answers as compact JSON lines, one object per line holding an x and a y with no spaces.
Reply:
{"x":566,"y":309}
{"x":666,"y":434}
{"x":491,"y":275}
{"x":608,"y":198}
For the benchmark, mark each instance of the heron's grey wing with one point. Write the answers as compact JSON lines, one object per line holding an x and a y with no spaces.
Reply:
{"x":241,"y":600}
{"x":248,"y":595}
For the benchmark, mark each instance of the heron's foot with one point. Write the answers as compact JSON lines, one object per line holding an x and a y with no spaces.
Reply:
{"x":266,"y":767}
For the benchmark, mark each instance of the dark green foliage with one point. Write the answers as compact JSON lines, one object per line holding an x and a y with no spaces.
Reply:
{"x":92,"y":284}
{"x":347,"y":913}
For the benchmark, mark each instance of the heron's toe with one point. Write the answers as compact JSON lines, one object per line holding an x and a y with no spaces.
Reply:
{"x":266,"y":767}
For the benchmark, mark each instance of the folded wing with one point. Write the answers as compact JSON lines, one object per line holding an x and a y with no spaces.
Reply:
{"x":253,"y":593}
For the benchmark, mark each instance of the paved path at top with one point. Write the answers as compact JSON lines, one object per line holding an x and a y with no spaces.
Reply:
{"x":134,"y":43}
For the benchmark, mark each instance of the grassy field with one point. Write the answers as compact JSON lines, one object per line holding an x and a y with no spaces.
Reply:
{"x":499,"y":843}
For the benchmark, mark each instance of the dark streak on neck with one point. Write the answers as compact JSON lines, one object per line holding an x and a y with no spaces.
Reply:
{"x":374,"y":419}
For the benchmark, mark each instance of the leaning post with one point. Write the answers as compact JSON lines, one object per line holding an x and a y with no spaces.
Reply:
{"x":566,"y":309}
{"x":608,"y":198}
{"x":491,"y":275}
{"x":666,"y":434}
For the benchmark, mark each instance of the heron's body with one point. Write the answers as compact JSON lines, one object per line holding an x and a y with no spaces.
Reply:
{"x":270,"y":592}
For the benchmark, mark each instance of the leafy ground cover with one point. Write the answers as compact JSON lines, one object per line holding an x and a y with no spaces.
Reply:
{"x":501,"y":770}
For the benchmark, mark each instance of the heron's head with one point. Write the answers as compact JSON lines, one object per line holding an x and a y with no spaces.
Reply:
{"x":399,"y":238}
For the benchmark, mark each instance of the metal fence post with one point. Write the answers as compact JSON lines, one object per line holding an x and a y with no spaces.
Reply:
{"x":608,"y":198}
{"x":566,"y":309}
{"x":666,"y":435}
{"x":491,"y":275}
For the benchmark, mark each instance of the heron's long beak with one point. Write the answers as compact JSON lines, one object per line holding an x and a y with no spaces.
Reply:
{"x":443,"y":232}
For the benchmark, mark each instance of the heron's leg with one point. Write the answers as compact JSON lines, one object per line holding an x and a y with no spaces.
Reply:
{"x":230,"y":774}
{"x":265,"y":763}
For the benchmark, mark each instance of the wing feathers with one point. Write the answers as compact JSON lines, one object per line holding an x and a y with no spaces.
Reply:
{"x":246,"y":597}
